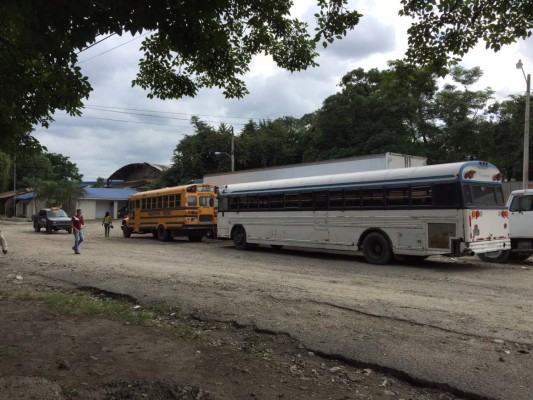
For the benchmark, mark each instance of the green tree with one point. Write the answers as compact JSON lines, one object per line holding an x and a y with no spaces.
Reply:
{"x":6,"y":165}
{"x":445,"y":30}
{"x":193,"y":45}
{"x":462,"y":129}
{"x":375,"y":112}
{"x":100,"y":182}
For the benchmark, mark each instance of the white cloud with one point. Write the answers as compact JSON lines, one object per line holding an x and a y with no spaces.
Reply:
{"x":101,"y":146}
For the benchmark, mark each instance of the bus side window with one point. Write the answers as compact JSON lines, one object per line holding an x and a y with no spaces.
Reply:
{"x":233,"y":203}
{"x":171,"y":201}
{"x":397,"y":196}
{"x":321,"y":200}
{"x":137,"y":204}
{"x":421,"y":196}
{"x":372,"y":197}
{"x":165,"y":201}
{"x":252,"y":202}
{"x":445,"y":194}
{"x":292,"y":200}
{"x":144,"y":205}
{"x":276,"y":201}
{"x":192,"y":201}
{"x":336,"y":199}
{"x":243,"y":202}
{"x":352,"y":198}
{"x":262,"y":202}
{"x":306,"y":200}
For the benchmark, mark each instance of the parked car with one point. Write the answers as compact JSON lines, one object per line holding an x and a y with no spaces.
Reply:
{"x":51,"y":219}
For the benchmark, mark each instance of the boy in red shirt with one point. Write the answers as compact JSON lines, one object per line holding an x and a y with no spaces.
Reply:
{"x":76,"y":223}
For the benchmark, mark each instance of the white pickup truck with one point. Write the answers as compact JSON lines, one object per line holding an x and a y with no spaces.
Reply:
{"x":520,"y":205}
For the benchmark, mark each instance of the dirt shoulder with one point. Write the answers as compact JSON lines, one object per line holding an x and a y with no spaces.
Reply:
{"x":48,"y":354}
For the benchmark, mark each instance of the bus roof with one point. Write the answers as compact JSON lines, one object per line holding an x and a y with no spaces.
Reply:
{"x":167,"y":190}
{"x":474,"y":171}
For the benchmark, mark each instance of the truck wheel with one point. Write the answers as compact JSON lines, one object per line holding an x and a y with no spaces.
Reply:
{"x":163,"y":234}
{"x":37,"y":227}
{"x":495,"y":256}
{"x":239,"y":238}
{"x":48,"y":228}
{"x":376,"y":249}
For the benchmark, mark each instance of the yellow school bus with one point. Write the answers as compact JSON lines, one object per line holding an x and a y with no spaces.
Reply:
{"x":187,"y":210}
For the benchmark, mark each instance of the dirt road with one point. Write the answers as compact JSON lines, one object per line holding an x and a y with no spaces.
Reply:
{"x":457,"y":325}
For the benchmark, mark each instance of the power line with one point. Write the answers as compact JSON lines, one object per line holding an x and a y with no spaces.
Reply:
{"x":95,"y":43}
{"x":132,"y":122}
{"x":175,"y":113}
{"x":116,"y":47}
{"x":154,"y":116}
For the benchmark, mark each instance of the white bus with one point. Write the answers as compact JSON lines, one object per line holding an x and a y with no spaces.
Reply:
{"x":448,"y":209}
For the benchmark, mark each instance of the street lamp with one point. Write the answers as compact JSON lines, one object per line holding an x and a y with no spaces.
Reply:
{"x":525,"y":170}
{"x":218,"y":153}
{"x":232,"y":154}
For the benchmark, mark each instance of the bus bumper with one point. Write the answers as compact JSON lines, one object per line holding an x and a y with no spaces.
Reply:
{"x":488,"y":246}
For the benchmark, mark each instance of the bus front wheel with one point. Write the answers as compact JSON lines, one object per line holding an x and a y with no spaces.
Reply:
{"x":126,"y":232}
{"x":239,"y":238}
{"x":376,"y":249}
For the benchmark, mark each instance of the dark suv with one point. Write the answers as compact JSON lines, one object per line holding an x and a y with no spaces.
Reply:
{"x":51,"y":219}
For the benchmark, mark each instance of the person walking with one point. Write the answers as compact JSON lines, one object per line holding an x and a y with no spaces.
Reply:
{"x":76,"y":223}
{"x":107,"y":223}
{"x":3,"y":243}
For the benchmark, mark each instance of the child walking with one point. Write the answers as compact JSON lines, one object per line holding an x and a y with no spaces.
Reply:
{"x":107,"y":223}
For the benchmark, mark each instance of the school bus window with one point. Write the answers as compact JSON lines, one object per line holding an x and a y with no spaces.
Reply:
{"x":165,"y":201}
{"x":137,"y":204}
{"x":178,"y":201}
{"x":171,"y":201}
{"x":206,"y":201}
{"x":192,"y":201}
{"x":143,"y":204}
{"x":291,"y":200}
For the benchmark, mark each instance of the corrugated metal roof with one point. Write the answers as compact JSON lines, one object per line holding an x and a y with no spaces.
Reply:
{"x":91,"y":193}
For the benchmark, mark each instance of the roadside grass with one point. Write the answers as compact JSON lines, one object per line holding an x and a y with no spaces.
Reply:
{"x":90,"y":305}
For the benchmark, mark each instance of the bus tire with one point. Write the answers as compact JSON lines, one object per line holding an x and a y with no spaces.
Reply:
{"x":126,"y":232}
{"x":518,"y":257}
{"x":163,"y":234}
{"x":496,"y":256}
{"x":376,"y":249}
{"x":239,"y":238}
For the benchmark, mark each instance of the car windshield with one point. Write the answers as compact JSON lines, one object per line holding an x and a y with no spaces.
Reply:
{"x":57,"y":214}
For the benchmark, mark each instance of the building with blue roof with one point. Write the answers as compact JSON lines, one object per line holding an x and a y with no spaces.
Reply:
{"x":94,"y":202}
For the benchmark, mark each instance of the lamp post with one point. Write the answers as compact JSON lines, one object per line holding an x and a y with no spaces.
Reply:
{"x":525,"y":170}
{"x":232,"y":153}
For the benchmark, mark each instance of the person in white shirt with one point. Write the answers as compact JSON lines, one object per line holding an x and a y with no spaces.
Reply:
{"x":3,"y":243}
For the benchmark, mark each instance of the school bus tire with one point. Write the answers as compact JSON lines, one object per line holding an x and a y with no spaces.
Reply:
{"x":126,"y":232}
{"x":163,"y":234}
{"x":239,"y":238}
{"x":376,"y":249}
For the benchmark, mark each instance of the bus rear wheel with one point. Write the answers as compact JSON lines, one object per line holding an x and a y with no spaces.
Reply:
{"x":495,"y":256}
{"x":376,"y":249}
{"x":239,"y":238}
{"x":163,"y":234}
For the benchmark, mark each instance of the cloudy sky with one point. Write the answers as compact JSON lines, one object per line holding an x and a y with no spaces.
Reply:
{"x":120,"y":125}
